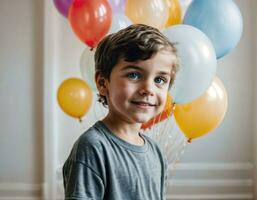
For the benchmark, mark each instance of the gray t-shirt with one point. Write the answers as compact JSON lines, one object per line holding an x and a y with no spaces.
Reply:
{"x":101,"y":166}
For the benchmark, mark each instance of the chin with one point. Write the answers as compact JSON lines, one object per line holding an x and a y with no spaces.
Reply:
{"x":142,"y":119}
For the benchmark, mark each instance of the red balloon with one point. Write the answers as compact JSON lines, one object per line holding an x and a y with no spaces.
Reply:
{"x":160,"y":117}
{"x":90,"y":20}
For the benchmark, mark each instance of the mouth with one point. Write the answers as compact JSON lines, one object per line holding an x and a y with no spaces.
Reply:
{"x":143,"y":103}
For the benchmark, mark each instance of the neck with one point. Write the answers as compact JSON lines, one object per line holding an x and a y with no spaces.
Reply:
{"x":120,"y":126}
{"x":124,"y":130}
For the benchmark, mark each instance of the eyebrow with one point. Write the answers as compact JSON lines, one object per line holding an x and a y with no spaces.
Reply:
{"x":128,"y":67}
{"x":132,"y":67}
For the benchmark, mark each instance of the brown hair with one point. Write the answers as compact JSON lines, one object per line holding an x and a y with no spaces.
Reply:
{"x":136,"y":42}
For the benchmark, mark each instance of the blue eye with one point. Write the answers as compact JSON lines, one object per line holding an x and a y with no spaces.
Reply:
{"x":134,"y":75}
{"x":160,"y":80}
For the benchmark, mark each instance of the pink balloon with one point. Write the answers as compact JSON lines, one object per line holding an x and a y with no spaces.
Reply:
{"x":63,"y":6}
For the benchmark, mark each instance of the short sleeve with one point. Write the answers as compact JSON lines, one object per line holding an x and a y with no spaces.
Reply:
{"x":81,"y":182}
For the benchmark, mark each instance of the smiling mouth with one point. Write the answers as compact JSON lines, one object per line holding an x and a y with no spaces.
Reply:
{"x":143,"y":103}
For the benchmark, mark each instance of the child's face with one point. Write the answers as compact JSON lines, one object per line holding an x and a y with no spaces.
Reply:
{"x":137,"y":91}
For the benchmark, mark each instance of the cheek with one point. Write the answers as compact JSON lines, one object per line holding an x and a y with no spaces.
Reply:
{"x":120,"y":92}
{"x":162,"y":100}
{"x":161,"y":107}
{"x":124,"y":89}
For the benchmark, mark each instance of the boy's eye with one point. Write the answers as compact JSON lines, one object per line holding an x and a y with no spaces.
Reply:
{"x":134,"y":75}
{"x":160,"y":80}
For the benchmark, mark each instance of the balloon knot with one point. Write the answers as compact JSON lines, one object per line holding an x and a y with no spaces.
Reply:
{"x":189,"y":140}
{"x":173,"y":106}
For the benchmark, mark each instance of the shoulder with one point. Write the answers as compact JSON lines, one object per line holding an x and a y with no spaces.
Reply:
{"x":87,"y":153}
{"x":89,"y":145}
{"x":91,"y":137}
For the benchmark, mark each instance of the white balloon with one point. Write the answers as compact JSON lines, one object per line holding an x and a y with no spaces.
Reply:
{"x":119,"y":21}
{"x":87,"y":67}
{"x":197,"y":62}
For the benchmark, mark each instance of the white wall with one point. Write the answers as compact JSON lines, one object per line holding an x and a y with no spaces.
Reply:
{"x":254,"y":43}
{"x":21,"y":116}
{"x":36,"y":136}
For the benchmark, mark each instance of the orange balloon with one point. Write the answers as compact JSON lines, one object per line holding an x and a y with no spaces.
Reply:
{"x":90,"y":20}
{"x":175,"y":13}
{"x":169,"y":102}
{"x":167,"y":111}
{"x":150,"y":12}
{"x":74,"y":97}
{"x":204,"y":114}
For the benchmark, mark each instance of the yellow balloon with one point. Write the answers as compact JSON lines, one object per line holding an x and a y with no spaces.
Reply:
{"x":74,"y":97}
{"x":150,"y":12}
{"x":204,"y":114}
{"x":175,"y":13}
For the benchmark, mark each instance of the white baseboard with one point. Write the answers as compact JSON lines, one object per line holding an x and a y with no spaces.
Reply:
{"x":20,"y":198}
{"x":215,"y":166}
{"x":211,"y":197}
{"x":20,"y":191}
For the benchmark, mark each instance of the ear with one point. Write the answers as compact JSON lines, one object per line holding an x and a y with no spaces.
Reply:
{"x":101,"y":83}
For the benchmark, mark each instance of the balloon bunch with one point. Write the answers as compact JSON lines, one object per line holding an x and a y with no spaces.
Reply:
{"x":210,"y":30}
{"x":91,"y":20}
{"x":204,"y":31}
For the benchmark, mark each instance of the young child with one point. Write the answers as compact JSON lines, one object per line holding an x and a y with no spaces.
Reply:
{"x":112,"y":160}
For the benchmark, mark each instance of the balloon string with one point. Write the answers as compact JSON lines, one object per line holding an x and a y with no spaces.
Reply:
{"x":157,"y":127}
{"x":165,"y":132}
{"x":173,"y":146}
{"x":159,"y":130}
{"x":177,"y":159}
{"x":162,"y":130}
{"x":152,"y":129}
{"x":165,"y":129}
{"x":170,"y":135}
{"x":173,"y":135}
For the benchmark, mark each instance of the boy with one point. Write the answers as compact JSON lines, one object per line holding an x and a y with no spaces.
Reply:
{"x":112,"y":160}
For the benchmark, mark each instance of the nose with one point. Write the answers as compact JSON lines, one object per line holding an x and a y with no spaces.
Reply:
{"x":146,"y":88}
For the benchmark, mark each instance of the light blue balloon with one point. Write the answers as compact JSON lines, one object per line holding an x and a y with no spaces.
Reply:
{"x":220,"y":20}
{"x":197,"y":62}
